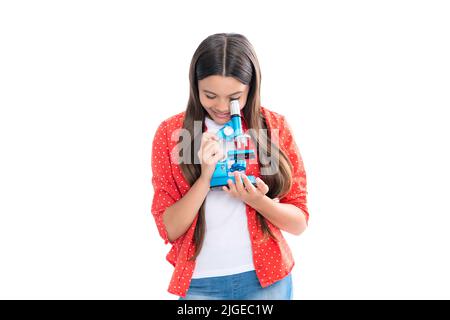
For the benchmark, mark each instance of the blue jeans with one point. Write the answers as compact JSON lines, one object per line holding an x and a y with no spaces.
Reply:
{"x":241,"y":286}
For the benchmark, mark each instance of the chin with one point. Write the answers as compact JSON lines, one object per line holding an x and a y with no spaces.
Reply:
{"x":219,"y":119}
{"x":224,"y":120}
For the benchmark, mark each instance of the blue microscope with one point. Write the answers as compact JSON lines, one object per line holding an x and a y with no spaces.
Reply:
{"x":234,"y":160}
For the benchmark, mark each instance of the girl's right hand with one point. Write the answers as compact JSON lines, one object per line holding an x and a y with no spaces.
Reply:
{"x":209,"y":154}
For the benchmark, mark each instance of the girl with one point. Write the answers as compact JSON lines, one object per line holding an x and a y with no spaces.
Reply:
{"x":227,"y":243}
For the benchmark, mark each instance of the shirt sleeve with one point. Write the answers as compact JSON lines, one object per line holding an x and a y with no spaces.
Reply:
{"x":298,"y":193}
{"x":165,"y":188}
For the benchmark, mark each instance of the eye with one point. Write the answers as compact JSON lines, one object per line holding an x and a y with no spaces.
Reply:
{"x":235,"y":98}
{"x":209,"y":97}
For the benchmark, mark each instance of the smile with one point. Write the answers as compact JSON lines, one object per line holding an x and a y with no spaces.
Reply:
{"x":221,"y":115}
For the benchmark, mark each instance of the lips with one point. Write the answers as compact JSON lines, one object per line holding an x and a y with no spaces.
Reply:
{"x":221,"y":115}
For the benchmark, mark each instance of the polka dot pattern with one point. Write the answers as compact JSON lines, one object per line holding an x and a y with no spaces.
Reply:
{"x":273,"y":260}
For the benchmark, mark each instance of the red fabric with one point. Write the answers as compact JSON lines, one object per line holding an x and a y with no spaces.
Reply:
{"x":273,"y":260}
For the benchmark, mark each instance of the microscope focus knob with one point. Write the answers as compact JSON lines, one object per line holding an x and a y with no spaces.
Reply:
{"x":228,"y":131}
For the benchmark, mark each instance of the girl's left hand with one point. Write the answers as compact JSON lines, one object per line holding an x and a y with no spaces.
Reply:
{"x":246,"y":191}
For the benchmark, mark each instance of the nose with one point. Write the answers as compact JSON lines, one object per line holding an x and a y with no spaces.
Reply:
{"x":222,"y":107}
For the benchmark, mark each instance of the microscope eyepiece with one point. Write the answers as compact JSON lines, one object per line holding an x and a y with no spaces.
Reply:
{"x":235,"y":108}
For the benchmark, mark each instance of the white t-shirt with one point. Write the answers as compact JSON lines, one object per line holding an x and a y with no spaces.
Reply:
{"x":226,"y":247}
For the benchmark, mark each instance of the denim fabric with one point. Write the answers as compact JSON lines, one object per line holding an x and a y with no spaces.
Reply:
{"x":241,"y":286}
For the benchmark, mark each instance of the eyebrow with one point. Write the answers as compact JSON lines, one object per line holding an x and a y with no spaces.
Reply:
{"x":229,"y":95}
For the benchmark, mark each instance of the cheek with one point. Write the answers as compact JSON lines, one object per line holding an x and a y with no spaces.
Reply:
{"x":207,"y":103}
{"x":243,"y":101}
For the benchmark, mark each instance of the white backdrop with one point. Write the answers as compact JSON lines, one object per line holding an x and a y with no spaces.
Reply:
{"x":84,"y":85}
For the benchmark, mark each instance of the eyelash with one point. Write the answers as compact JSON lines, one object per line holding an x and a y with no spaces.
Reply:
{"x":215,"y":97}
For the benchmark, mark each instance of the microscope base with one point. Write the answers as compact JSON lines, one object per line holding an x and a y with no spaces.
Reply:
{"x":218,"y":182}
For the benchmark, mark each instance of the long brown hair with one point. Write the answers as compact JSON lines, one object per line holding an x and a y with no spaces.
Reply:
{"x":232,"y":55}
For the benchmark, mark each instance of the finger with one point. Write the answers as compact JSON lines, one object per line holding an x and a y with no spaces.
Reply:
{"x":209,"y":143}
{"x":206,"y":137}
{"x":206,"y":153}
{"x":262,"y":186}
{"x":212,"y":147}
{"x":224,"y":188}
{"x":239,"y":186}
{"x":247,"y":183}
{"x":208,"y":148}
{"x":264,"y":189}
{"x":217,"y":156}
{"x":209,"y":136}
{"x":232,"y":187}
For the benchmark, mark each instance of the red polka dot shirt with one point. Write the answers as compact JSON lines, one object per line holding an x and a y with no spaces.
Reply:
{"x":272,"y":259}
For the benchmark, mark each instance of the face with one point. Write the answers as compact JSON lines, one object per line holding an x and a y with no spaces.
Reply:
{"x":216,"y":93}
